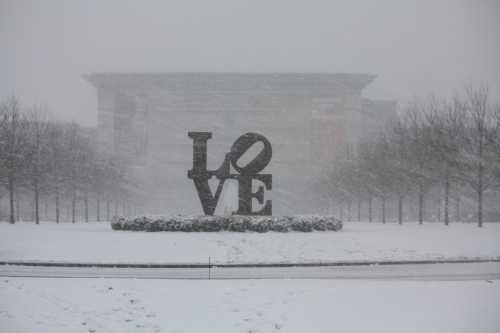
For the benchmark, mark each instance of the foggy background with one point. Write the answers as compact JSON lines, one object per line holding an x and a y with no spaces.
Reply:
{"x":415,"y":47}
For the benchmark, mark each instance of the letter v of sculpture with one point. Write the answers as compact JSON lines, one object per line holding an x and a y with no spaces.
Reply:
{"x":245,"y":176}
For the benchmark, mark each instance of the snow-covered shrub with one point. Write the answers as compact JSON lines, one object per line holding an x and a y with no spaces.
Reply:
{"x":238,"y":223}
{"x":280,"y":226}
{"x":234,"y":223}
{"x":260,"y":224}
{"x":298,"y":223}
{"x":333,"y":224}
{"x":117,"y":223}
{"x":211,"y":223}
{"x":138,"y":224}
{"x":153,"y":226}
{"x":169,"y":224}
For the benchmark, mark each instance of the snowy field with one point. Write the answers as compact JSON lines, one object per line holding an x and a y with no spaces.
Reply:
{"x":108,"y":305}
{"x":96,"y":242}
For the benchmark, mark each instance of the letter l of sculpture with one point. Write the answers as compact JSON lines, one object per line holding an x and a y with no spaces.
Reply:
{"x":200,"y":175}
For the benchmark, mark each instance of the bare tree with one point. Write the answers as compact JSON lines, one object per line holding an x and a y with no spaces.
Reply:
{"x":446,"y":126}
{"x":57,"y":175}
{"x":400,"y":157}
{"x":477,"y":152}
{"x":37,"y":155}
{"x":378,"y":170}
{"x":13,"y":127}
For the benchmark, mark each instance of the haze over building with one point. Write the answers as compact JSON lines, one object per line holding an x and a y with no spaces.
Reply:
{"x":311,"y":120}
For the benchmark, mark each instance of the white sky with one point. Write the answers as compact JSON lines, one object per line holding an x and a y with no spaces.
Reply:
{"x":415,"y":47}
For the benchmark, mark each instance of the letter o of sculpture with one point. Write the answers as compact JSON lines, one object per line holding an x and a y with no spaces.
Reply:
{"x":241,"y":145}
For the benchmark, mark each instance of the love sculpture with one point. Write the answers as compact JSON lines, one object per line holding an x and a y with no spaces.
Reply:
{"x":245,"y":176}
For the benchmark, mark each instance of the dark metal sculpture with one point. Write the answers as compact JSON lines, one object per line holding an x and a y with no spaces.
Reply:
{"x":245,"y":176}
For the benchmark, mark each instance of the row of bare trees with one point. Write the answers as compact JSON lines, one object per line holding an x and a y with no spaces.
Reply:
{"x":55,"y":160}
{"x":451,"y":148}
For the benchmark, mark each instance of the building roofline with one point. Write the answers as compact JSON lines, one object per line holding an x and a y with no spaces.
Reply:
{"x":353,"y":80}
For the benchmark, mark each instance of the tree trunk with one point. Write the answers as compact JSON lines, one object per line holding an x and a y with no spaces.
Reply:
{"x":18,"y":206}
{"x":37,"y":202}
{"x":32,"y":219}
{"x":107,"y":210}
{"x":57,"y":205}
{"x":73,"y":207}
{"x":400,"y":209}
{"x":383,"y":209}
{"x":98,"y":209}
{"x":12,"y":219}
{"x":446,"y":201}
{"x":349,"y":211}
{"x":439,"y":210}
{"x":457,"y":209}
{"x":480,"y":208}
{"x":359,"y":210}
{"x":421,"y":205}
{"x":86,"y":203}
{"x":480,"y":196}
{"x":480,"y":179}
{"x":370,"y":209}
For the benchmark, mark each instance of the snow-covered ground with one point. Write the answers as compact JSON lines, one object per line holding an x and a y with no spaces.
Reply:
{"x":110,"y":305}
{"x":96,"y":242}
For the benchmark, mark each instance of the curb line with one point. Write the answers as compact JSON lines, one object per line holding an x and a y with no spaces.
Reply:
{"x":247,"y":265}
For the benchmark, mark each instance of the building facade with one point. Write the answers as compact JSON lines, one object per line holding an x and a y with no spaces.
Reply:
{"x":310,"y":119}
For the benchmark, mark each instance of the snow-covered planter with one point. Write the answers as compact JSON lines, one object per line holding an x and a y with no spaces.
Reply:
{"x":234,"y":223}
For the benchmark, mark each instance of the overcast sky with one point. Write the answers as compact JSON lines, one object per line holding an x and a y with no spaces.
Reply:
{"x":415,"y":47}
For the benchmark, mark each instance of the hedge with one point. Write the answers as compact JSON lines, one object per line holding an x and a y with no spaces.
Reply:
{"x":234,"y":223}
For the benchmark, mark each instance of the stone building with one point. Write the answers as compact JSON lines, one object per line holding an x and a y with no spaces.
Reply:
{"x":311,"y":119}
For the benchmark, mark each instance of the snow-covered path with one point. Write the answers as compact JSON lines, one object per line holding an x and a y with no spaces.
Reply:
{"x":427,"y":272}
{"x":96,"y":242}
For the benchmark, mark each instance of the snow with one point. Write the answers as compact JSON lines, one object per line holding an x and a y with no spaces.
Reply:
{"x":96,"y":242}
{"x":114,"y":305}
{"x":91,"y":305}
